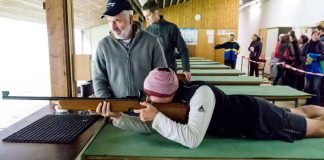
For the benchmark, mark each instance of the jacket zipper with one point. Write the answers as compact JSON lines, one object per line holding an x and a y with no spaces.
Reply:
{"x":129,"y":79}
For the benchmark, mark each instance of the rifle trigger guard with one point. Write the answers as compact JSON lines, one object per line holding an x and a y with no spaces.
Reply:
{"x":131,"y":112}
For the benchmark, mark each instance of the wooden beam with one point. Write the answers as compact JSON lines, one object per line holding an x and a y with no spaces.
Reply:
{"x":59,"y":19}
{"x":137,"y":7}
{"x":71,"y":52}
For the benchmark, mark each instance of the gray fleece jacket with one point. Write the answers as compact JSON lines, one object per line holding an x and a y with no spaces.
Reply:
{"x":118,"y":72}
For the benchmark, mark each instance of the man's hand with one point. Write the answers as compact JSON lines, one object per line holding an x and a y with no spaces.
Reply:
{"x":309,"y":60}
{"x":104,"y":110}
{"x":187,"y":75}
{"x":237,"y":52}
{"x":147,"y":114}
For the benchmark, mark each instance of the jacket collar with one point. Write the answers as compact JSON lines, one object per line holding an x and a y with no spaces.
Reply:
{"x":161,"y":21}
{"x":137,"y":32}
{"x":136,"y":28}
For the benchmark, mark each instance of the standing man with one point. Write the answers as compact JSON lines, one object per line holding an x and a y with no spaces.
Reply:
{"x":125,"y":57}
{"x":320,"y":28}
{"x":231,"y":51}
{"x":255,"y":49}
{"x":276,"y":57}
{"x":169,"y":35}
{"x":312,"y":54}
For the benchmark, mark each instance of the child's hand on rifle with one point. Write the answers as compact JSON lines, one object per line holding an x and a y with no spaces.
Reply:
{"x":147,"y":114}
{"x":104,"y":110}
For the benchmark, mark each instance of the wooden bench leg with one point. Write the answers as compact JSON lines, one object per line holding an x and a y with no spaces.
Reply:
{"x":296,"y":103}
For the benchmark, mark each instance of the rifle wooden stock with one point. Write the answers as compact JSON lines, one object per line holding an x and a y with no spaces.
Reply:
{"x":181,"y":76}
{"x":175,"y":111}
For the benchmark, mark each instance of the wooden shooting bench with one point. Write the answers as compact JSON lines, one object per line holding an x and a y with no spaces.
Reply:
{"x":16,"y":151}
{"x":212,"y":66}
{"x":10,"y":150}
{"x":197,"y":60}
{"x":229,"y":80}
{"x":200,"y":63}
{"x":114,"y":143}
{"x":271,"y":93}
{"x":218,"y":72}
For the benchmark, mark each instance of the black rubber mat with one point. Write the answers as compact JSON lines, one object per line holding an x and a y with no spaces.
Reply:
{"x":53,"y":129}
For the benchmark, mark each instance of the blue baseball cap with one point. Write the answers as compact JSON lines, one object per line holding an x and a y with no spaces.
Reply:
{"x":114,"y":7}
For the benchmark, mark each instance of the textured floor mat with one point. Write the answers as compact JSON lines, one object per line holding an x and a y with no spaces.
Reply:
{"x":53,"y":129}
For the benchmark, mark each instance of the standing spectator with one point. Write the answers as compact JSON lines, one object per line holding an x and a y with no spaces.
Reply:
{"x":276,"y":57}
{"x":255,"y":49}
{"x":170,"y":37}
{"x":231,"y":51}
{"x":297,"y":63}
{"x":286,"y":55}
{"x":312,"y":54}
{"x":302,"y":41}
{"x":300,"y":77}
{"x":320,"y":28}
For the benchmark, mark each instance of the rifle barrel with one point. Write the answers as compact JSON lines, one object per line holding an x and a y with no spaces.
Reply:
{"x":5,"y":95}
{"x":175,"y":111}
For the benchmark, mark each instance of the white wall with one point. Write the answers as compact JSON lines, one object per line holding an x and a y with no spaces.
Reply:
{"x":89,"y":40}
{"x":92,"y":36}
{"x":294,"y":13}
{"x":248,"y":25}
{"x":297,"y":14}
{"x":24,"y":52}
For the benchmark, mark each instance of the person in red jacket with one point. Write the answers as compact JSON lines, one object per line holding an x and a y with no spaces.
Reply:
{"x":276,"y":57}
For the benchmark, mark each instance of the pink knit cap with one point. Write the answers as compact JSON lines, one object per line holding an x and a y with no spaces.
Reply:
{"x":161,"y":82}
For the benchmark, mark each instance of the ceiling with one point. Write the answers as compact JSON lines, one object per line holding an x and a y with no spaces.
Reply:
{"x":246,"y":2}
{"x":86,"y":12}
{"x":242,"y":2}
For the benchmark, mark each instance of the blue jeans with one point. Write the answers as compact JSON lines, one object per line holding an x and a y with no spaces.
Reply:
{"x":230,"y":63}
{"x":274,"y":68}
{"x":313,"y":86}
